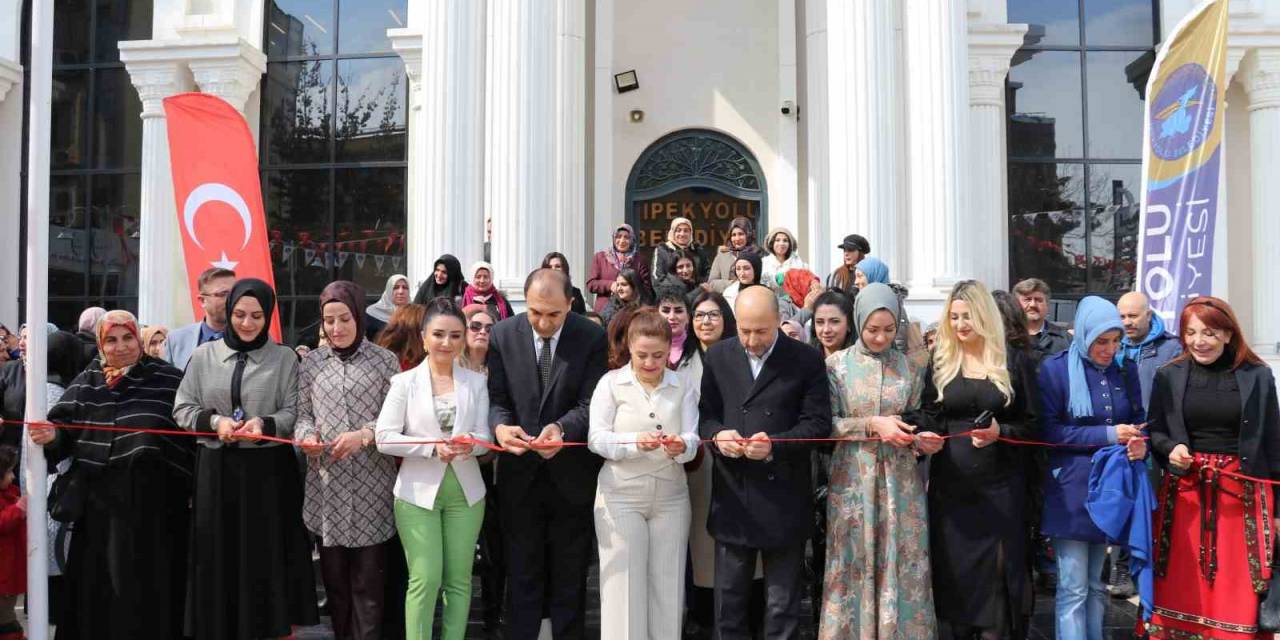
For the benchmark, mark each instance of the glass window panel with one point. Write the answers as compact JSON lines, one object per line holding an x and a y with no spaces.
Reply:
{"x":1119,"y":23}
{"x":1053,"y":22}
{"x":298,"y":225}
{"x":70,"y":31}
{"x":300,"y":320}
{"x":297,"y":112}
{"x":1044,"y":106}
{"x":1115,"y":103}
{"x":364,"y":24}
{"x":120,"y":20}
{"x":117,"y":121}
{"x":1046,"y":232}
{"x":370,"y":223}
{"x":113,"y":264}
{"x":370,"y":119}
{"x":68,"y":235}
{"x":65,"y":314}
{"x":299,"y":28}
{"x":68,"y":120}
{"x":1114,"y":198}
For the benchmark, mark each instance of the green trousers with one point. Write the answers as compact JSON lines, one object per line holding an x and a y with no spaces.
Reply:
{"x":440,"y":546}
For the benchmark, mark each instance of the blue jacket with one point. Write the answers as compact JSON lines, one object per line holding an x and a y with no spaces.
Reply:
{"x":1151,"y":353}
{"x":1066,"y":481}
{"x":1120,"y":503}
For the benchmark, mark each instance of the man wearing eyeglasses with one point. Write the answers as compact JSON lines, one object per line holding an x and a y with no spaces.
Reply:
{"x":214,"y":286}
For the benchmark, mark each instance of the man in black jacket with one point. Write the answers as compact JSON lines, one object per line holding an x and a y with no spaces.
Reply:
{"x":543,"y":367}
{"x":758,"y":387}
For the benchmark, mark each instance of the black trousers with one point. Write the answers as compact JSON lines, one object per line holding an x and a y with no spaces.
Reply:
{"x":549,"y":548}
{"x":355,"y":583}
{"x":783,"y":585}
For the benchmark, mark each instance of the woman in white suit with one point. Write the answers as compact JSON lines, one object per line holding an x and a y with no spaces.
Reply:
{"x":433,"y":417}
{"x":644,"y":422}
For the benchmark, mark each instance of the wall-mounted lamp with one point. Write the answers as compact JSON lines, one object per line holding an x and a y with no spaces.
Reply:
{"x":626,"y":81}
{"x":637,"y":115}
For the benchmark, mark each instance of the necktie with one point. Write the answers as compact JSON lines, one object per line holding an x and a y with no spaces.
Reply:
{"x":544,"y":363}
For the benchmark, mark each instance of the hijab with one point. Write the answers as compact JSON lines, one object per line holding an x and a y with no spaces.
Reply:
{"x":490,"y":297}
{"x":621,"y":261}
{"x":747,"y":228}
{"x":452,"y":287}
{"x":671,"y":233}
{"x":260,"y":291}
{"x":349,"y":294}
{"x":384,"y":307}
{"x":874,"y":297}
{"x":796,"y":283}
{"x":874,"y":269}
{"x":1094,"y":317}
{"x":753,"y":258}
{"x":107,"y":322}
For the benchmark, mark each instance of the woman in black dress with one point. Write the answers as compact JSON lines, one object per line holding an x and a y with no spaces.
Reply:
{"x":126,"y":567}
{"x":251,"y":575}
{"x":978,"y":485}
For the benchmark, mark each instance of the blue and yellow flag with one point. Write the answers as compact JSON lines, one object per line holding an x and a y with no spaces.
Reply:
{"x":1181,"y":161}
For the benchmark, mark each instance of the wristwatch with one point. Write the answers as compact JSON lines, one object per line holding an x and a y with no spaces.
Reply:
{"x":366,"y":437}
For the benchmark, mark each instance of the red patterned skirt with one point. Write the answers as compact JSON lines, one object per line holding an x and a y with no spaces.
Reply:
{"x":1213,"y":553}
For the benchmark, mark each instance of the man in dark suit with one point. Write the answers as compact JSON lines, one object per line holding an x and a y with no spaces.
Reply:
{"x":543,"y":367}
{"x":769,"y":386}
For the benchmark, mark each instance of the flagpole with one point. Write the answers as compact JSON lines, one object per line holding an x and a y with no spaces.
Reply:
{"x":35,"y":472}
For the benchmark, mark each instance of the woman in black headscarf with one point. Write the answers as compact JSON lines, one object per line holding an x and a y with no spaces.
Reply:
{"x":251,"y":573}
{"x":446,"y":281}
{"x":741,"y":242}
{"x":128,"y":558}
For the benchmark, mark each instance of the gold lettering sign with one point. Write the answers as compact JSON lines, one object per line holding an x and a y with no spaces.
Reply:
{"x":710,"y":212}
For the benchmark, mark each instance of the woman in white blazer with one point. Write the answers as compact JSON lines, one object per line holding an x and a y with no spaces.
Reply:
{"x":434,"y":417}
{"x":644,"y":423}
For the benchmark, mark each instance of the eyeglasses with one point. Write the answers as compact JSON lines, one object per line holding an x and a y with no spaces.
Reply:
{"x":707,"y":316}
{"x":480,"y":327}
{"x":215,"y":294}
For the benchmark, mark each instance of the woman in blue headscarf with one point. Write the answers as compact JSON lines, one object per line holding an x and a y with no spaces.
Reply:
{"x":869,"y":270}
{"x":1088,"y":401}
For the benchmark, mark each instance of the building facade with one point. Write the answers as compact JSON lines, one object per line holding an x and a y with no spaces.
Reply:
{"x":990,"y":139}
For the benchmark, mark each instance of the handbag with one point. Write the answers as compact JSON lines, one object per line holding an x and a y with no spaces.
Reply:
{"x":1269,"y":605}
{"x":69,"y":495}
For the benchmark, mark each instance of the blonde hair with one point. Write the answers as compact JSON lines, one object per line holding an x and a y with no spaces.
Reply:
{"x":985,"y":317}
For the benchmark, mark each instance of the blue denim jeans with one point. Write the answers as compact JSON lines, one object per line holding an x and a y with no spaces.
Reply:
{"x":1081,"y":599}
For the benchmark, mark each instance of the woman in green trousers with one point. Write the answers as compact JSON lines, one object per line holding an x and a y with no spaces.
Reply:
{"x":432,"y":416}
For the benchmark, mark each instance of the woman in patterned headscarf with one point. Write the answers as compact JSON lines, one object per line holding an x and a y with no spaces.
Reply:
{"x":131,"y":523}
{"x":347,"y":503}
{"x":606,"y":265}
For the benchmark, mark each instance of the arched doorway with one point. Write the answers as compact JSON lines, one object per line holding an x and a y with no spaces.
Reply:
{"x":699,"y":174}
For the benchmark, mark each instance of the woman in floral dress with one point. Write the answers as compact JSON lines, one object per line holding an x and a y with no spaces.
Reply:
{"x":877,"y":582}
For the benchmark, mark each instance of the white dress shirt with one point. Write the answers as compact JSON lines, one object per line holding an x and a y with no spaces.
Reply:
{"x":537,"y":343}
{"x":758,"y":363}
{"x":621,"y":409}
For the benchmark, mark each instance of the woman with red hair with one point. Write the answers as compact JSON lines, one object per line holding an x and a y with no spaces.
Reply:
{"x":1213,"y":415}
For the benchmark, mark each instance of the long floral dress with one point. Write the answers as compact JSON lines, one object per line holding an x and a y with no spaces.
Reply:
{"x":877,"y":582}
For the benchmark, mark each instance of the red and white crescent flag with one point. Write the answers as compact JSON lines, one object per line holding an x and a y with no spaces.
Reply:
{"x":215,"y":181}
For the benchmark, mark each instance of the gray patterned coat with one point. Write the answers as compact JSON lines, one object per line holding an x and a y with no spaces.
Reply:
{"x":348,"y":503}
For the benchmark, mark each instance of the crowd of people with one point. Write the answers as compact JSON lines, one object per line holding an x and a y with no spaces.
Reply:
{"x":725,"y":437}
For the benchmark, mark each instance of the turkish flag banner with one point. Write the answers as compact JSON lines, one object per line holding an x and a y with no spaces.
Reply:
{"x":215,"y":180}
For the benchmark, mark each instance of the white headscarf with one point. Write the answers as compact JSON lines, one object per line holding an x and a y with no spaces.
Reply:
{"x":383,"y":308}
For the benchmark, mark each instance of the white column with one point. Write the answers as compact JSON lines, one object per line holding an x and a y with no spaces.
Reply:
{"x":162,"y":295}
{"x":230,"y":71}
{"x":443,"y":52}
{"x":1261,"y":76}
{"x":225,"y":66}
{"x":535,"y":153}
{"x":852,"y":114}
{"x":10,"y":183}
{"x":937,"y":120}
{"x":983,"y":252}
{"x":571,"y":136}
